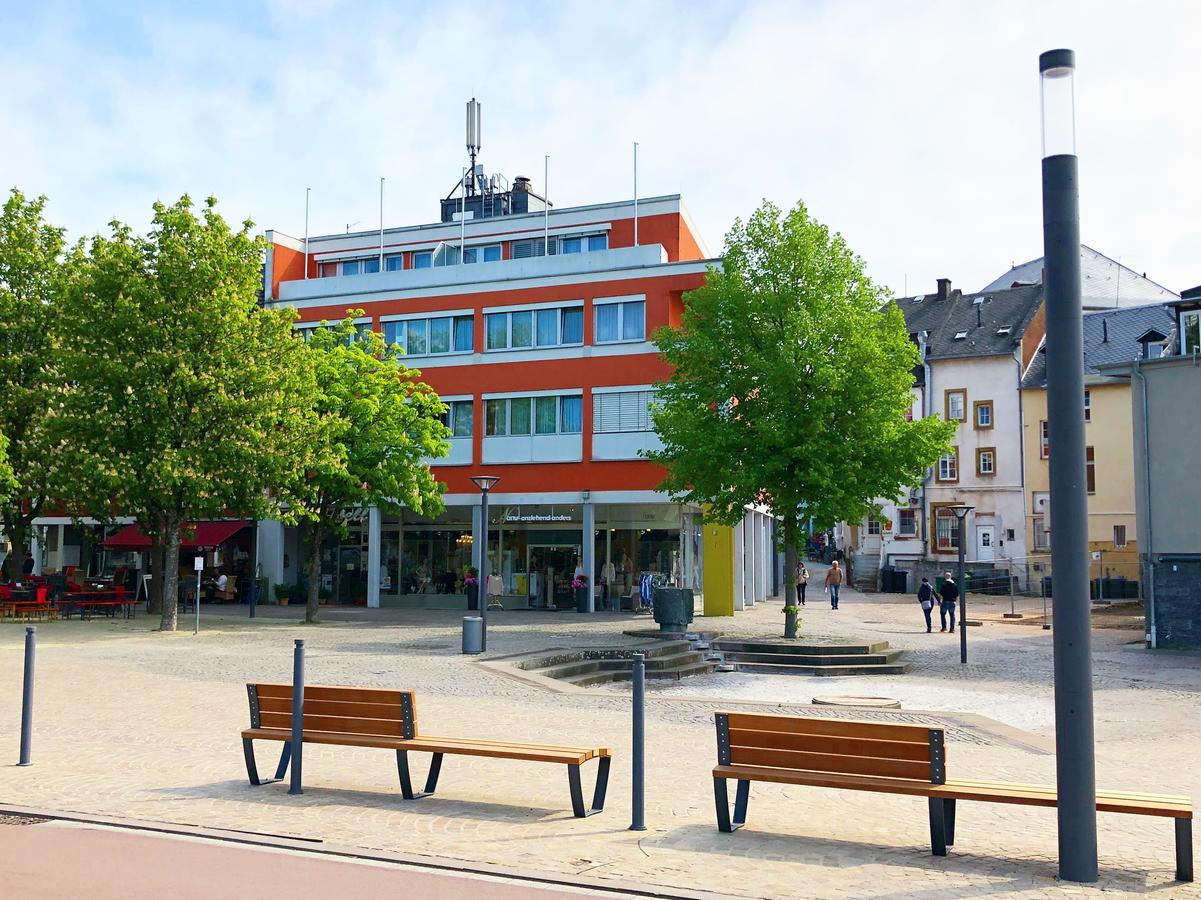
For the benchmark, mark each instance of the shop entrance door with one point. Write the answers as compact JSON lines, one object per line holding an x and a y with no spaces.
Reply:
{"x":554,"y":565}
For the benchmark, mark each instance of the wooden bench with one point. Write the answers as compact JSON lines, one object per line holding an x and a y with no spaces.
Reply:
{"x":891,"y":759}
{"x":367,"y":717}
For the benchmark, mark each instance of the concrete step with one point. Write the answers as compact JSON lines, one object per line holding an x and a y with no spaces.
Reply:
{"x":791,"y":648}
{"x":816,"y":659}
{"x":675,"y":673}
{"x":822,"y":671}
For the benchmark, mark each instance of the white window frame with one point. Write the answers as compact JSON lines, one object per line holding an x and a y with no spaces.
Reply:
{"x":1189,"y":319}
{"x":452,"y":314}
{"x":901,"y":531}
{"x":874,"y":528}
{"x":533,"y":397}
{"x":621,"y":318}
{"x":533,"y":310}
{"x":643,"y":418}
{"x":1041,"y":537}
{"x":1119,"y":530}
{"x":452,"y":404}
{"x":952,"y":467}
{"x":1088,"y":405}
{"x":1044,"y":439}
{"x":986,"y":453}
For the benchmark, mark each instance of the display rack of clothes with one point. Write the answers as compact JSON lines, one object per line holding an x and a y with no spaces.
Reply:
{"x":493,"y":588}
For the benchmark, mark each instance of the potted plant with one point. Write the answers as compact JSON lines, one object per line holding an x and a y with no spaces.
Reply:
{"x":791,"y":620}
{"x":471,"y":583}
{"x":283,"y":593}
{"x":579,"y":587}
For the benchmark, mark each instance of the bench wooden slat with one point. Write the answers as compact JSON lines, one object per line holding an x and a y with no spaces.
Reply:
{"x":389,"y":711}
{"x":913,"y":734}
{"x":563,"y":755}
{"x":325,"y":692}
{"x":825,"y":743}
{"x":1050,"y":788}
{"x":952,"y":790}
{"x":829,"y":762}
{"x":329,"y":724}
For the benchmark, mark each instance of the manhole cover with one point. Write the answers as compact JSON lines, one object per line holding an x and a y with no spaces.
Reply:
{"x":872,"y":702}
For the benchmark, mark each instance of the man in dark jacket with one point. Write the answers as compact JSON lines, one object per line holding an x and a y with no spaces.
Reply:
{"x":950,"y":594}
{"x":925,"y":596}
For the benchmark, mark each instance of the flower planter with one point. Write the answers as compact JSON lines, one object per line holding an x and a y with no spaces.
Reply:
{"x":581,"y":599}
{"x":473,"y":596}
{"x":673,"y":608}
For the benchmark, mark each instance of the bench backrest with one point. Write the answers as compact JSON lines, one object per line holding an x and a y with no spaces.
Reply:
{"x":336,"y":710}
{"x":887,"y":750}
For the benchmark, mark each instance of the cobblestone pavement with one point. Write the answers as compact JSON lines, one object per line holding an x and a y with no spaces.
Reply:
{"x":139,"y":724}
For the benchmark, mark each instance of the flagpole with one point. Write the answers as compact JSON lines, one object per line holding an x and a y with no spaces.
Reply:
{"x":635,"y":193}
{"x":546,"y":206}
{"x":381,"y":223}
{"x":307,"y":191}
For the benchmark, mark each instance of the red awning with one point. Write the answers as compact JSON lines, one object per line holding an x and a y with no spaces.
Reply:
{"x":195,"y":536}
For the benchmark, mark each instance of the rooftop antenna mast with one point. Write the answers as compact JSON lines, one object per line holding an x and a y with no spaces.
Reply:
{"x":474,"y":124}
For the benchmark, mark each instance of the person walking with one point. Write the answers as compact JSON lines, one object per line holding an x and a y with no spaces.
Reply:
{"x":802,"y":579}
{"x":950,"y":594}
{"x":834,"y":579}
{"x":925,"y":596}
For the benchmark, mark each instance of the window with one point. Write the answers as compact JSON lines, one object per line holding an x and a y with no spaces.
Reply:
{"x":982,"y":414}
{"x":621,"y":411}
{"x":948,"y":466}
{"x":960,"y":335}
{"x":537,"y":415}
{"x":328,"y":270}
{"x":1090,"y":470}
{"x":527,"y":249}
{"x":620,"y":321}
{"x":458,"y":418}
{"x":1119,"y":537}
{"x":1044,"y":440}
{"x":490,"y":253}
{"x":569,"y":245}
{"x":955,"y":405}
{"x":986,"y":461}
{"x":423,"y":259}
{"x":873,"y":525}
{"x":421,"y":337}
{"x":906,"y":523}
{"x":526,"y":328}
{"x":1088,"y":406}
{"x":1190,"y":332}
{"x":349,"y":267}
{"x":394,"y":263}
{"x":598,"y":242}
{"x":1042,"y":537}
{"x":946,"y":530}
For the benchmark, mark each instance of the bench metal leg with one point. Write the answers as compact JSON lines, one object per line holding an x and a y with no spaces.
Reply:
{"x":1184,"y":849}
{"x":406,"y":781}
{"x":722,"y":800}
{"x":938,"y":826}
{"x":598,"y":794}
{"x":948,"y":807}
{"x":252,"y":770}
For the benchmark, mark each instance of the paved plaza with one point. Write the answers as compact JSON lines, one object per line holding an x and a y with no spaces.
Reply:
{"x":131,"y":723}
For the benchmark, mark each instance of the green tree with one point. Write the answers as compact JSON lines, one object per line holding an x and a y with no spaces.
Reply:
{"x":8,"y":484}
{"x":31,"y":276}
{"x":184,"y":399}
{"x":792,"y":374}
{"x":378,"y":426}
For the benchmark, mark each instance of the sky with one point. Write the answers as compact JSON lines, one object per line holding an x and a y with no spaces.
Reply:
{"x":910,"y":127}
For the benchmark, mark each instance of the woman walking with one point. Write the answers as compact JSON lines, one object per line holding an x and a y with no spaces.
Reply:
{"x":802,"y":579}
{"x":925,"y":596}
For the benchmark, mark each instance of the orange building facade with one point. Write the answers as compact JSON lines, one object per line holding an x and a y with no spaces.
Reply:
{"x":535,"y":329}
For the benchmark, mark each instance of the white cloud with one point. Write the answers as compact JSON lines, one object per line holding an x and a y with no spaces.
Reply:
{"x":912,"y":128}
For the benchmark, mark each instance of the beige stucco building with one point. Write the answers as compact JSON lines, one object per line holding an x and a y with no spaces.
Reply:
{"x":1110,"y":336}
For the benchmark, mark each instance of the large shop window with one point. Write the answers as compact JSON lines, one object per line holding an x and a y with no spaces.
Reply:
{"x":620,"y":321}
{"x":537,"y":415}
{"x":622,"y":411}
{"x":431,"y":337}
{"x":527,"y":328}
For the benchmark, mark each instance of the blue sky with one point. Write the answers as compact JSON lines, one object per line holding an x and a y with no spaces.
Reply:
{"x":910,"y":127}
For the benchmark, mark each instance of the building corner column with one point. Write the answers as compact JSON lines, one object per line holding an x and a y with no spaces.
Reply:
{"x":588,"y":548}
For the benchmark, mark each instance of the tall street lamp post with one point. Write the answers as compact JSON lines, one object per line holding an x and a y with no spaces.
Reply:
{"x":1074,"y":758}
{"x":485,"y":484}
{"x":961,"y":512}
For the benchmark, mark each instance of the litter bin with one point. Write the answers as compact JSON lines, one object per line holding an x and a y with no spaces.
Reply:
{"x":473,"y":634}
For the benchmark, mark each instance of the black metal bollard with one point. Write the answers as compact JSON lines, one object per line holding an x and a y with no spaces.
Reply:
{"x":297,"y":715}
{"x":27,"y":696}
{"x":638,"y":780}
{"x":253,"y":599}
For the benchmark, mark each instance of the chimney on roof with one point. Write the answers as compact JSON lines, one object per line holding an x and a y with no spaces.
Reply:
{"x":979,"y":317}
{"x":944,"y":288}
{"x":1104,"y":330}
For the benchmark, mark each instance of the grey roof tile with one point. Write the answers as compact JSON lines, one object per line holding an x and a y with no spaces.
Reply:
{"x":1111,"y":336}
{"x":1104,"y":282}
{"x":992,"y":327}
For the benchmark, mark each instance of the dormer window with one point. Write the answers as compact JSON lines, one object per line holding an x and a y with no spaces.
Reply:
{"x":1151,"y":344}
{"x":1190,"y":332}
{"x":1004,"y":329}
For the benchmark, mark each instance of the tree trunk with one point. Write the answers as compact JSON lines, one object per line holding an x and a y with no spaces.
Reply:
{"x":316,"y":538}
{"x":790,"y":560}
{"x":170,"y":619}
{"x":18,"y":536}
